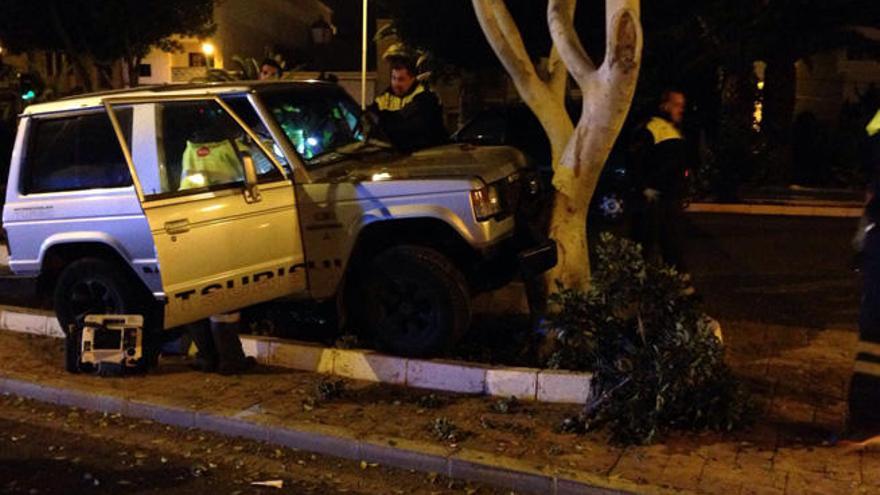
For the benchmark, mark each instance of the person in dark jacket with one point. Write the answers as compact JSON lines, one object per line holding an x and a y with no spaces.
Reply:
{"x":864,"y":393}
{"x":409,"y":113}
{"x":659,"y":158}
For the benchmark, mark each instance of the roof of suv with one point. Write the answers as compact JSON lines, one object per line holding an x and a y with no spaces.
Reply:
{"x":92,"y":100}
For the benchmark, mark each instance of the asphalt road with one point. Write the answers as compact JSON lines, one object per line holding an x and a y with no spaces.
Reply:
{"x":781,"y":270}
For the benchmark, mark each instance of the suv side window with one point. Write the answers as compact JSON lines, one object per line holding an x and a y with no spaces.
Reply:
{"x":243,"y":108}
{"x":76,"y":152}
{"x":202,"y":148}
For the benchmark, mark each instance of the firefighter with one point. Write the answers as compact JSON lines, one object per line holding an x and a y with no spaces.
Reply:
{"x":409,"y":113}
{"x":659,"y":160}
{"x":864,"y":393}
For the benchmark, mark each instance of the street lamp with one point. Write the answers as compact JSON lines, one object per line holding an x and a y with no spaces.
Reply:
{"x":364,"y":59}
{"x":208,"y":50}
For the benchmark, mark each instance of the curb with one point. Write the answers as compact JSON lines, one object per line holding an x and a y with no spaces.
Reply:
{"x":530,"y":384}
{"x":400,"y":453}
{"x":781,"y":210}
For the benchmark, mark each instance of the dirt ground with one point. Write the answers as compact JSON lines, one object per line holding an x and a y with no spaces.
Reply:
{"x":799,"y":378}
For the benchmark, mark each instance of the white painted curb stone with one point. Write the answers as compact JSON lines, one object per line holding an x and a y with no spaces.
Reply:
{"x":449,"y":376}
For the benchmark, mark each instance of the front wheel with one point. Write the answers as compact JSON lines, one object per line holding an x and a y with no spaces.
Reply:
{"x":92,"y":286}
{"x":413,"y":300}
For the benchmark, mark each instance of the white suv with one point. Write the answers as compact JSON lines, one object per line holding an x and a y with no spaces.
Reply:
{"x":180,"y":202}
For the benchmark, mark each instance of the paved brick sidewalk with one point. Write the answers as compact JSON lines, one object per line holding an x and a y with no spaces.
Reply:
{"x":800,"y":376}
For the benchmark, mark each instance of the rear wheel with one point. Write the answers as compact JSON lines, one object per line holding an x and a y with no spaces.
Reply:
{"x":95,"y":286}
{"x":413,"y":300}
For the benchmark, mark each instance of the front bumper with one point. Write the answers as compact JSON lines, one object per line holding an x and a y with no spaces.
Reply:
{"x":511,"y":259}
{"x":538,"y":259}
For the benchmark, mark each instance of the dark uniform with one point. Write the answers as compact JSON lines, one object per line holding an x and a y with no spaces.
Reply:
{"x":659,"y":159}
{"x":864,"y":394}
{"x":413,"y":121}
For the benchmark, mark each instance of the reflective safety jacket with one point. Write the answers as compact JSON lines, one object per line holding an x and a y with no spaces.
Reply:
{"x":872,"y":167}
{"x":873,"y":128}
{"x":659,"y":157}
{"x":211,"y":163}
{"x":412,"y":121}
{"x":217,"y":162}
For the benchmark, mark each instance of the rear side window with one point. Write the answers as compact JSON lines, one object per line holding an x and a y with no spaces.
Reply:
{"x":76,"y":152}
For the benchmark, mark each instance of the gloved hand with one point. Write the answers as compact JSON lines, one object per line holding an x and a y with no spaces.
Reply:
{"x":651,"y":195}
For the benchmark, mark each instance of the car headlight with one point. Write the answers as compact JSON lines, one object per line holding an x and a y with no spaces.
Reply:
{"x":486,"y":202}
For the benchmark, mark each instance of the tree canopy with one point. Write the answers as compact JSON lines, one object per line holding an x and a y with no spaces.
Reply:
{"x":451,"y":32}
{"x":103,"y":30}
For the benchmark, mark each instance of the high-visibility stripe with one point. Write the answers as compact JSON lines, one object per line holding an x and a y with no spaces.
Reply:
{"x":867,"y":368}
{"x":874,"y":126}
{"x":226,"y":318}
{"x":868,"y":357}
{"x":868,"y":348}
{"x":663,"y":130}
{"x":390,"y":102}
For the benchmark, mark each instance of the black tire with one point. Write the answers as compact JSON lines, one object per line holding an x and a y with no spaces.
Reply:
{"x":413,"y":301}
{"x":97,"y":286}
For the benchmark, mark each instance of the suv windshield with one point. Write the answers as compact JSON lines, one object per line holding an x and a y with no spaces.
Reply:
{"x":322,"y":125}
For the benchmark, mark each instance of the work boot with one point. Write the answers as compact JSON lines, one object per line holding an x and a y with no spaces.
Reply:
{"x":224,"y":329}
{"x":206,"y":357}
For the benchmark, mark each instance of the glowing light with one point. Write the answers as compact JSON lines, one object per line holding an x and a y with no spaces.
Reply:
{"x":197,"y":179}
{"x":381,"y":176}
{"x":30,"y":95}
{"x":758,"y":116}
{"x":760,"y":85}
{"x":311,"y":142}
{"x":208,"y":48}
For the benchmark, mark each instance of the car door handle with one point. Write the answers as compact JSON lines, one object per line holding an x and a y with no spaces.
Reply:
{"x":177,"y":226}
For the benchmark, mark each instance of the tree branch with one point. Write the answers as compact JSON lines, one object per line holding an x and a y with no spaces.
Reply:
{"x":546,"y":99}
{"x":560,"y":20}
{"x":504,"y":37}
{"x":557,"y":73}
{"x":624,"y":28}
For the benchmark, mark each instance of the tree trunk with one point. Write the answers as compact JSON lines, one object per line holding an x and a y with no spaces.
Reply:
{"x":735,"y":132}
{"x":780,"y":87}
{"x":77,"y":59}
{"x":134,"y":71}
{"x":578,"y":154}
{"x":608,"y":93}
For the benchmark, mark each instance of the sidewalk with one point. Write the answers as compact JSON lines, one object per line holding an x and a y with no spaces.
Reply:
{"x":789,"y":201}
{"x":799,"y":376}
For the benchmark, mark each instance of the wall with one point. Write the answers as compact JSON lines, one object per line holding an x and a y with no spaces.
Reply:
{"x":827,"y":80}
{"x":247,"y":27}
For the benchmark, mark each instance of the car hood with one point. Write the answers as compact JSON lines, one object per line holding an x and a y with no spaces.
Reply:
{"x":488,"y":163}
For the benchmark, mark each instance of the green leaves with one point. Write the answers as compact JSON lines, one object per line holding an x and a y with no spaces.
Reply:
{"x":657,"y":362}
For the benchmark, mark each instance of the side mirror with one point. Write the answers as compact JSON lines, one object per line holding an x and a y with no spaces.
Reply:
{"x":251,"y":190}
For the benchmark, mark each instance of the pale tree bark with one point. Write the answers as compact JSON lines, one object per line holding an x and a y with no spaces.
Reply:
{"x":608,"y":92}
{"x":580,"y":153}
{"x":546,"y":98}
